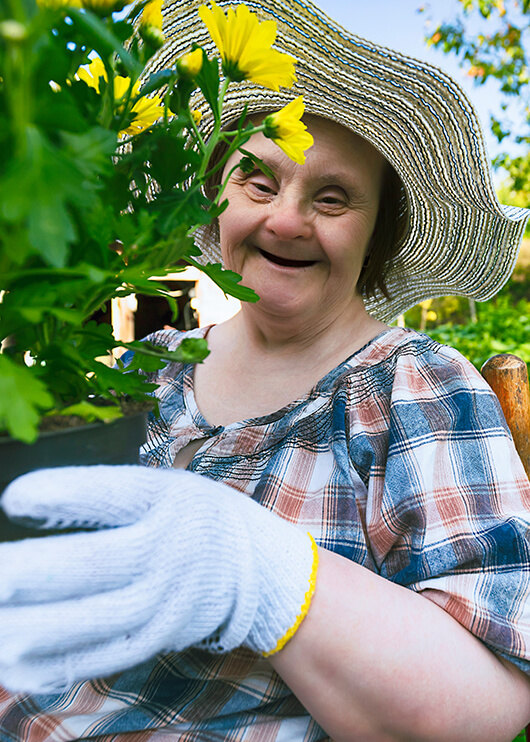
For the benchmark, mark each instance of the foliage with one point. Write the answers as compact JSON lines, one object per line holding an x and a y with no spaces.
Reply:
{"x":101,"y":186}
{"x":489,"y":37}
{"x":502,"y":324}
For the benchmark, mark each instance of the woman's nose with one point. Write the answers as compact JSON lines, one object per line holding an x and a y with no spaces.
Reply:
{"x":288,"y":219}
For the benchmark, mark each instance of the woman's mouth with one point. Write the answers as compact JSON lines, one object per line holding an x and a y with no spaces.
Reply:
{"x":287,"y":262}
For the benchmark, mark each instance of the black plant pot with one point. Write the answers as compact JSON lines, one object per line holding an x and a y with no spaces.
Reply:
{"x":116,"y":442}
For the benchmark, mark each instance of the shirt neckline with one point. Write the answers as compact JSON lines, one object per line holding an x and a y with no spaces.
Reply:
{"x":209,"y":430}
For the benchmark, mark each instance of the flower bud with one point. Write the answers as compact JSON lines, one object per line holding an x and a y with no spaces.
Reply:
{"x":152,"y":14}
{"x":152,"y":36}
{"x":189,"y":65}
{"x":151,"y":24}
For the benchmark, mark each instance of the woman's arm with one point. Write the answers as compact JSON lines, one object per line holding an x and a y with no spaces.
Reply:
{"x":374,"y":661}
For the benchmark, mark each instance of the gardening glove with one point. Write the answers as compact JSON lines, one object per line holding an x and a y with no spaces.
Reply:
{"x":175,"y":560}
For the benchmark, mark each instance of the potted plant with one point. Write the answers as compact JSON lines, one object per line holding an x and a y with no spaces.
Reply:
{"x":102,"y":174}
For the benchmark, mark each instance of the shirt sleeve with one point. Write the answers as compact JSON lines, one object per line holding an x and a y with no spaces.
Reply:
{"x":454,"y":511}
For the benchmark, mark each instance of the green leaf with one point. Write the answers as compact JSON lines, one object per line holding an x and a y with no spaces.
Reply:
{"x":170,"y":160}
{"x":191,"y":350}
{"x":91,"y":412}
{"x":146,"y":363}
{"x":157,"y":80}
{"x":38,"y":191}
{"x":112,"y":381}
{"x":22,"y":399}
{"x":57,"y":110}
{"x":208,"y":81}
{"x":91,"y":151}
{"x":178,"y":207}
{"x":227,"y":280}
{"x":95,"y":339}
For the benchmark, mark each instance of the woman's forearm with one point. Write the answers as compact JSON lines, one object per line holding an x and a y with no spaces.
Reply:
{"x":373,"y":661}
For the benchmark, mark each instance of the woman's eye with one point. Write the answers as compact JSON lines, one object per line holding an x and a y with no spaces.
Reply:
{"x":263,"y":188}
{"x":331,"y":200}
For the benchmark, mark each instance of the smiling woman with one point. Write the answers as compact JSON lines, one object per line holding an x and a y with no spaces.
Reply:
{"x":299,"y":235}
{"x":346,"y":556}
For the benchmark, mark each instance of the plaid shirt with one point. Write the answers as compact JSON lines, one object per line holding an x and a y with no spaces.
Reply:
{"x":398,"y":459}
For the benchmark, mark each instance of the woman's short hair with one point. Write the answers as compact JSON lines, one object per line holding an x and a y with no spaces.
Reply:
{"x":389,"y":232}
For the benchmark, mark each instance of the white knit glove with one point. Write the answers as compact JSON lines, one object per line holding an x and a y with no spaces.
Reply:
{"x":177,"y":560}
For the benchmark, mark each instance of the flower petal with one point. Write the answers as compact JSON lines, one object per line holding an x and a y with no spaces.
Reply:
{"x":245,"y":47}
{"x":286,"y":130}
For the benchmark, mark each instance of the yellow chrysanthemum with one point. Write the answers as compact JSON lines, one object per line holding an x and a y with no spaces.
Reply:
{"x":152,"y":14}
{"x":189,"y":65}
{"x":58,"y":4}
{"x":91,"y":74}
{"x":286,"y":130}
{"x":196,"y":116}
{"x":245,"y":47}
{"x":151,"y":24}
{"x":146,"y":110}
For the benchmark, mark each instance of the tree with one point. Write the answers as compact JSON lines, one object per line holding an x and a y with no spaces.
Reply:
{"x":489,"y":38}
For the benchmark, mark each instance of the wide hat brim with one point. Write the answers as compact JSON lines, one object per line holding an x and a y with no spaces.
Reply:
{"x":460,"y":240}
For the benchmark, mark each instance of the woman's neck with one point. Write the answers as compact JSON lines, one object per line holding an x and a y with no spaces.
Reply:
{"x":262,"y":333}
{"x":256,"y":368}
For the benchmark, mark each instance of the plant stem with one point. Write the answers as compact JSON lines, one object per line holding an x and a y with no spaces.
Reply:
{"x":18,"y":80}
{"x":214,"y":138}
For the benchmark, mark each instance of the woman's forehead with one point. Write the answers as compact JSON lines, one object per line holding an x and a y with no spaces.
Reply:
{"x":332,"y":136}
{"x":337,"y":154}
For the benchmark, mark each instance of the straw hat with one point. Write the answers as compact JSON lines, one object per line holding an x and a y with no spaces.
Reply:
{"x":460,"y":239}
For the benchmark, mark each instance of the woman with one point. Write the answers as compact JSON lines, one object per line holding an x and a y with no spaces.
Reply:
{"x":409,"y":620}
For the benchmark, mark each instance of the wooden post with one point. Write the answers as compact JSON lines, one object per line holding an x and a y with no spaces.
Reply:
{"x":508,"y":377}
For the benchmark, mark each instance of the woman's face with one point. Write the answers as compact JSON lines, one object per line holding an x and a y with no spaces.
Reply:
{"x":299,"y":238}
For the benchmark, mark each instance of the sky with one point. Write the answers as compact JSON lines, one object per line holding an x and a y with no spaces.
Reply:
{"x":398,"y":24}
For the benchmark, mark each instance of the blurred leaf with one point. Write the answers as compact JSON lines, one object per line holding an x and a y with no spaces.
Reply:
{"x":171,"y":161}
{"x":38,"y":189}
{"x":104,"y":41}
{"x":149,"y":357}
{"x":23,"y":397}
{"x":157,"y":80}
{"x":91,"y":412}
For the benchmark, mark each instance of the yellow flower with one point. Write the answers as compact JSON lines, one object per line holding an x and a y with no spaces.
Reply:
{"x":152,"y":14}
{"x":58,"y":4}
{"x":146,"y":110}
{"x":196,"y":115}
{"x":151,"y":24}
{"x":288,"y":132}
{"x":91,"y":74}
{"x":245,"y":47}
{"x":189,"y":65}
